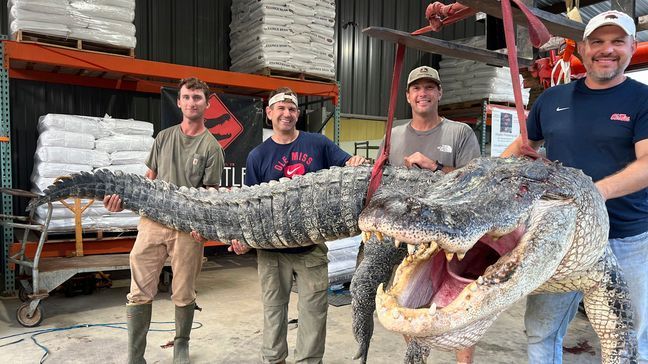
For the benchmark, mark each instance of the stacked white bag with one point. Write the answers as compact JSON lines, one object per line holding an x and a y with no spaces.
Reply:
{"x":70,"y":144}
{"x":465,"y":80}
{"x":342,"y":255}
{"x":101,"y":21}
{"x":284,"y":35}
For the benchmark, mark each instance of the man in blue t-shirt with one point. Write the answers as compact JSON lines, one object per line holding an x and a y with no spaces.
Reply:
{"x":600,"y":125}
{"x":289,"y":152}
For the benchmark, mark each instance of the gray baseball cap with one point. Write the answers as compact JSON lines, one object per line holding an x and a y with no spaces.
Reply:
{"x":423,"y":72}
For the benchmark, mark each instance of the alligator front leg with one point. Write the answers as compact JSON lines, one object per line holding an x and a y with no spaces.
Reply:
{"x":376,"y":267}
{"x":610,"y":312}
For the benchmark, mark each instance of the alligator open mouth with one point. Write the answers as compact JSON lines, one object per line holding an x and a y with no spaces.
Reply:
{"x":431,"y":278}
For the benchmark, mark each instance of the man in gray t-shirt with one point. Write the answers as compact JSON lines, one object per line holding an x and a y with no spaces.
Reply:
{"x":430,"y":141}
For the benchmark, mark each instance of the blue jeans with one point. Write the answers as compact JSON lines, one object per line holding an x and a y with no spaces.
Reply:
{"x":548,"y":315}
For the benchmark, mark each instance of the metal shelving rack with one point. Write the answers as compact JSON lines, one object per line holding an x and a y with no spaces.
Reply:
{"x":5,"y":166}
{"x":44,"y":63}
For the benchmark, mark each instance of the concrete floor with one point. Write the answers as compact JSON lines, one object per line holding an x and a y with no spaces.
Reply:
{"x":231,"y":327}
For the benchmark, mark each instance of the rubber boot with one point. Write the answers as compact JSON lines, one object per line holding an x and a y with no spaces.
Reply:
{"x":138,"y":318}
{"x":183,"y":321}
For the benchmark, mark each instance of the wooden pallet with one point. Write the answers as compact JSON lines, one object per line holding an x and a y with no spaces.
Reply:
{"x":71,"y":43}
{"x":294,"y":75}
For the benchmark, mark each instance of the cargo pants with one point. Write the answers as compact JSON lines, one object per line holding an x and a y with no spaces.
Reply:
{"x":154,"y":244}
{"x":276,"y":272}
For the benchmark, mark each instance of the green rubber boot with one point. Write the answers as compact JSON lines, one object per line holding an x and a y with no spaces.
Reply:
{"x":183,"y":321}
{"x":138,"y":318}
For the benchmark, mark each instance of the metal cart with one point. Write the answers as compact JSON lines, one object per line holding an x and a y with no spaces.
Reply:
{"x":47,"y":273}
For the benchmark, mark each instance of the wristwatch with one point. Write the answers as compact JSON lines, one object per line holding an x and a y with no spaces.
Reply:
{"x":439,"y":166}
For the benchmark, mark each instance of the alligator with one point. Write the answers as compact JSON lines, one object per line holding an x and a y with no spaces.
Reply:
{"x":327,"y":202}
{"x":486,"y":235}
{"x":478,"y":239}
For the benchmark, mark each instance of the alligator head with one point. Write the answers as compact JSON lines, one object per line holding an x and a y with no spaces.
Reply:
{"x":481,"y":238}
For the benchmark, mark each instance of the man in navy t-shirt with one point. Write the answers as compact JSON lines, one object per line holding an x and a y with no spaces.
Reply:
{"x":287,"y":153}
{"x":600,"y":125}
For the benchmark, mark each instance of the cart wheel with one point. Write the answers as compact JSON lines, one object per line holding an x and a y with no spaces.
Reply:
{"x":23,"y":294}
{"x":22,"y":314}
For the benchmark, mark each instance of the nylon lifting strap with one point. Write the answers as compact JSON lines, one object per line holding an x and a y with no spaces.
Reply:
{"x":538,"y":34}
{"x":377,"y":171}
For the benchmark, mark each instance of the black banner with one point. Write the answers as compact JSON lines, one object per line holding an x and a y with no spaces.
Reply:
{"x":235,"y":121}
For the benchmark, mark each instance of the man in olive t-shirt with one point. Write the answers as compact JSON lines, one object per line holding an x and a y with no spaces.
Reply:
{"x":185,"y":155}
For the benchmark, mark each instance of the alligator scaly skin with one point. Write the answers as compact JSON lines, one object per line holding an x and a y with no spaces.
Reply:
{"x":302,"y":211}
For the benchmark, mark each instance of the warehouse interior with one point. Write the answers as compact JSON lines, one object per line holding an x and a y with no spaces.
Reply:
{"x":113,"y":79}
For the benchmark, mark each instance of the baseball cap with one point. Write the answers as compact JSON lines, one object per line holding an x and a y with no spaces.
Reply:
{"x":611,"y":17}
{"x":423,"y":72}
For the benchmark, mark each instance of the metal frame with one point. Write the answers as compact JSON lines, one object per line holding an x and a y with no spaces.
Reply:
{"x":43,"y":63}
{"x":6,"y":170}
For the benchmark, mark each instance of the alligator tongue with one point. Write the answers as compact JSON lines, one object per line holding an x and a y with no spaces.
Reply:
{"x":458,"y":274}
{"x":450,"y":289}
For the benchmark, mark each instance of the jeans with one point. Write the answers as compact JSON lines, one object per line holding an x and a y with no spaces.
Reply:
{"x":548,"y":315}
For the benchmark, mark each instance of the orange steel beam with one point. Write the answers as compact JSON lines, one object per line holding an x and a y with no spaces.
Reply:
{"x":138,"y":69}
{"x":123,"y":85}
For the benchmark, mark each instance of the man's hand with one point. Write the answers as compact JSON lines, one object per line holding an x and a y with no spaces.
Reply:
{"x":113,"y":203}
{"x":238,"y":247}
{"x":419,"y":160}
{"x":355,"y":161}
{"x":197,"y":237}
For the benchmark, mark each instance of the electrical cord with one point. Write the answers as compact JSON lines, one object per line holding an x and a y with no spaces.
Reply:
{"x":113,"y":325}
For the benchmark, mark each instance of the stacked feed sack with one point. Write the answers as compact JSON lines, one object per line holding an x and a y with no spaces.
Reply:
{"x":71,"y":144}
{"x":283,"y":35}
{"x":465,"y":80}
{"x":101,"y":21}
{"x":342,"y":256}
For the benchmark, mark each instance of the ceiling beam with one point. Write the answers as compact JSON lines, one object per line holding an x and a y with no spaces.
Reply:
{"x":438,"y":46}
{"x":557,"y":25}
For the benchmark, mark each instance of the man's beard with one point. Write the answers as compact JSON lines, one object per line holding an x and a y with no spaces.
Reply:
{"x":604,"y":76}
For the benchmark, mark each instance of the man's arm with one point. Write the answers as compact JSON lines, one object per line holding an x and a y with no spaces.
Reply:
{"x":516,"y":147}
{"x":113,"y":203}
{"x":631,"y":179}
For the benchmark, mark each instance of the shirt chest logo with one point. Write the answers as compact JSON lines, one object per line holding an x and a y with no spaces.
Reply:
{"x":620,"y":117}
{"x":445,"y":148}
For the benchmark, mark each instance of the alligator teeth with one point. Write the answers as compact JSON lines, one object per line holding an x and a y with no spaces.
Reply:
{"x":411,"y":248}
{"x":432,"y":309}
{"x":480,"y":280}
{"x":434,"y":246}
{"x":397,"y":243}
{"x":379,"y":235}
{"x":395,"y":313}
{"x":366,"y":235}
{"x":473,"y":287}
{"x":460,"y":256}
{"x":449,"y":256}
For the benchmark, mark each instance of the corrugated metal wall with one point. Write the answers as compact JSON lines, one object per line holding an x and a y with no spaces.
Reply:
{"x":196,"y":32}
{"x":365,"y":65}
{"x":189,"y":32}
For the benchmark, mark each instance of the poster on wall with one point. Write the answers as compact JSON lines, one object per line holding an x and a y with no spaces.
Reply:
{"x":504,"y":128}
{"x":236,"y":122}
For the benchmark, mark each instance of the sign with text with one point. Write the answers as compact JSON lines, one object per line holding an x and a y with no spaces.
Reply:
{"x":236,"y":122}
{"x":504,"y":128}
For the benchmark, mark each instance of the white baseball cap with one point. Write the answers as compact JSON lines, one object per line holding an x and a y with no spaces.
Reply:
{"x":611,"y":17}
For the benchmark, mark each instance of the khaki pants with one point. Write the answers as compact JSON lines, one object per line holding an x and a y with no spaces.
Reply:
{"x":154,"y":243}
{"x":276,"y":271}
